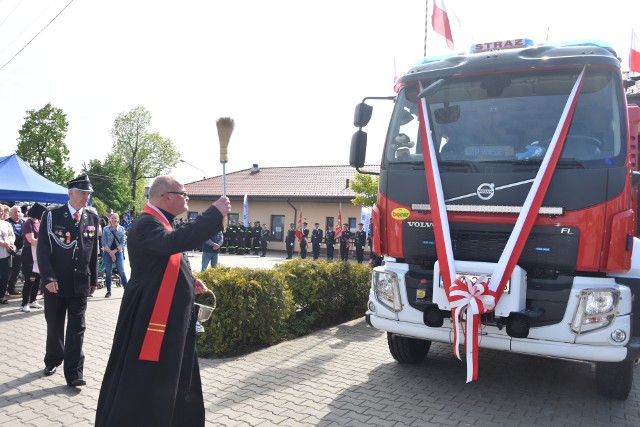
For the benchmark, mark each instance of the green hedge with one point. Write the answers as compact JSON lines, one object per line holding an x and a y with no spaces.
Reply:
{"x":258,"y":307}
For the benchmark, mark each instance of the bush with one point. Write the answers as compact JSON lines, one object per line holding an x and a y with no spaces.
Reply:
{"x":257,"y":307}
{"x":325,"y":293}
{"x":253,"y":306}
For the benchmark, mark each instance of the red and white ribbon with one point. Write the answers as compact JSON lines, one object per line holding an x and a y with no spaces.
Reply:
{"x":469,"y":300}
{"x":517,"y":239}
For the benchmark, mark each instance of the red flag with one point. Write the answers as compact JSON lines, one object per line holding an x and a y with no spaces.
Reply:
{"x":299,"y":227}
{"x":338,"y":227}
{"x":634,"y":56}
{"x":440,"y":22}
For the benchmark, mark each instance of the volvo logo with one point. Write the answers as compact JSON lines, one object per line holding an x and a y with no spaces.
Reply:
{"x":485,"y":190}
{"x":420,"y":224}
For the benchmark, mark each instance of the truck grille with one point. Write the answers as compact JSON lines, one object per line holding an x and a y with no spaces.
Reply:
{"x":547,"y":247}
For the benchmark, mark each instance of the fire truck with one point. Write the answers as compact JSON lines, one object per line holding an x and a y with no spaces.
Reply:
{"x":506,"y":210}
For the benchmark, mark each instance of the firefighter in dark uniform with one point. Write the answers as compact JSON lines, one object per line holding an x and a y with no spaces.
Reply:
{"x":67,"y":254}
{"x":225,"y":240}
{"x":257,"y":237}
{"x":241,"y":234}
{"x":345,"y":242}
{"x":316,"y":239}
{"x":330,"y":240}
{"x":233,"y":238}
{"x":359,"y":242}
{"x":303,"y":241}
{"x":265,"y":236}
{"x":248,"y":239}
{"x":290,"y":240}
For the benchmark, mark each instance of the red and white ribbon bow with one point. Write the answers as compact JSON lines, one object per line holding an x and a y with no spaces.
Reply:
{"x":470,"y":300}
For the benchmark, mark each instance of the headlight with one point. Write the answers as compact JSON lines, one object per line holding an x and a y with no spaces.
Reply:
{"x":387,"y":290}
{"x":596,"y":310}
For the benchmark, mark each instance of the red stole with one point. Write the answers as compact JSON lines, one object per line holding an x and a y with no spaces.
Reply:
{"x":157,"y":324}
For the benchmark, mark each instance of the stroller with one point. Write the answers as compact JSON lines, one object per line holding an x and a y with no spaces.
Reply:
{"x":102,"y":276}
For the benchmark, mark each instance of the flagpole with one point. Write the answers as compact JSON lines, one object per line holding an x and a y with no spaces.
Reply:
{"x":426,"y":25}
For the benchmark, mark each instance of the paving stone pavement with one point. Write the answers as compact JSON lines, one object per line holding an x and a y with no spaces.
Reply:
{"x":341,"y":376}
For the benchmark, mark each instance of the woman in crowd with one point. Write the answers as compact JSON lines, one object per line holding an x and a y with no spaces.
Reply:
{"x":30,"y":271}
{"x":114,"y":237}
{"x":7,"y":238}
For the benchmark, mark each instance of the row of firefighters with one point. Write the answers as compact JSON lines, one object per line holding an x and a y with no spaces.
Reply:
{"x":241,"y":240}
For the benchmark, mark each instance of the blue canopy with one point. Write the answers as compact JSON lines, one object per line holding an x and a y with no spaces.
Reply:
{"x":20,"y":183}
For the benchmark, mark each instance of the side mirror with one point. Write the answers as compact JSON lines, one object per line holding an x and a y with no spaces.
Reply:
{"x":358,"y":150}
{"x":362,"y":115}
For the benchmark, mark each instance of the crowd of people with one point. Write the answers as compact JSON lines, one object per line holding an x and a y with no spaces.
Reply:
{"x":345,"y":240}
{"x":152,"y":375}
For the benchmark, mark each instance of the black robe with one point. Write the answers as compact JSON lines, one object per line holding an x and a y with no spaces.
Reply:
{"x":168,"y":392}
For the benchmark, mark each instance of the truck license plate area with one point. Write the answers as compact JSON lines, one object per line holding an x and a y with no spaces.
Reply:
{"x":474,"y":277}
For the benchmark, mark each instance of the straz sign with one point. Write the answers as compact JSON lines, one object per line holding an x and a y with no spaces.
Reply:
{"x":501,"y":44}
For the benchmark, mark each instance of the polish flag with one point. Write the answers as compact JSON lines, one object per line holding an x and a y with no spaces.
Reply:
{"x":299,"y":234}
{"x":338,"y":227}
{"x":440,"y":22}
{"x":634,"y":56}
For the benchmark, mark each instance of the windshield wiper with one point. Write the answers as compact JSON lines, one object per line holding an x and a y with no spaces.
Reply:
{"x":470,"y":166}
{"x":567,"y":163}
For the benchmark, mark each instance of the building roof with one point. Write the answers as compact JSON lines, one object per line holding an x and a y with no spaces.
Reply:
{"x":271,"y":183}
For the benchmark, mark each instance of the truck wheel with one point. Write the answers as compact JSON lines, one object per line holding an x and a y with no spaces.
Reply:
{"x":407,"y":350}
{"x":614,"y":379}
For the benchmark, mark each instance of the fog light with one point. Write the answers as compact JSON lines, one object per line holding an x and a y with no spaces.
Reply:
{"x":432,"y":316}
{"x":618,"y":335}
{"x":372,"y":306}
{"x":517,"y":326}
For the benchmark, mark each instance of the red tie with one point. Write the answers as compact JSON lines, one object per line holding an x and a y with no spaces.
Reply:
{"x":76,"y":216}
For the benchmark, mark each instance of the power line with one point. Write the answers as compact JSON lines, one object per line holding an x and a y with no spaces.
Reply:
{"x":11,"y":13}
{"x":34,"y":37}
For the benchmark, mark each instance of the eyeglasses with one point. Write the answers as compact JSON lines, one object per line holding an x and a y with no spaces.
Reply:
{"x":182,"y":193}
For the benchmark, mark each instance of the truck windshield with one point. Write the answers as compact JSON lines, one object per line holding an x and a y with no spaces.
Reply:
{"x":511,"y":118}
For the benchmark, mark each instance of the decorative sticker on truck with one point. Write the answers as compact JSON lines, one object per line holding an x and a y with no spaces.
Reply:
{"x":400,"y":214}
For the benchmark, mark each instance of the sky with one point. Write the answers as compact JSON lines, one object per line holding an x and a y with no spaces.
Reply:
{"x":288,"y":72}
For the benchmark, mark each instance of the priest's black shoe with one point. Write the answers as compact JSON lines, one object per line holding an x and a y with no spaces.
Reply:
{"x":50,"y":370}
{"x":79,"y":382}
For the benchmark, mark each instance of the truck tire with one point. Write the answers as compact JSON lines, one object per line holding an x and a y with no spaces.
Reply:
{"x":407,"y":350}
{"x":614,"y":379}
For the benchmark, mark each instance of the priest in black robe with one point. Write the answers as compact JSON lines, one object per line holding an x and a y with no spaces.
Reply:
{"x":152,"y":377}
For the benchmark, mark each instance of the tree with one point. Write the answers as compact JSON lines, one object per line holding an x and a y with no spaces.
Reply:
{"x":110,"y":183}
{"x":366,"y":189}
{"x":144,"y":155}
{"x":41,"y":143}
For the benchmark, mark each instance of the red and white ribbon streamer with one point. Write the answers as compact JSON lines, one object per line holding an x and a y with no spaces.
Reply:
{"x":517,"y":239}
{"x":469,"y":300}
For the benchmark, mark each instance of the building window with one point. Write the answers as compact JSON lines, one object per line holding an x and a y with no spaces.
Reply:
{"x":191,"y":216}
{"x":329,"y":222}
{"x":233,"y":218}
{"x":277,"y":228}
{"x":352,"y":224}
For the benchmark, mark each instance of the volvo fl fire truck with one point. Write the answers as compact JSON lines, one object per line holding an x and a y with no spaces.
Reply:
{"x":507,"y":193}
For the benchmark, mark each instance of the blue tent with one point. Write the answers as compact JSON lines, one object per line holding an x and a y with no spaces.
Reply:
{"x":19,"y":182}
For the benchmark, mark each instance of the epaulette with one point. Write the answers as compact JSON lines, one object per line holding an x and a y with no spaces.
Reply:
{"x":91,"y":209}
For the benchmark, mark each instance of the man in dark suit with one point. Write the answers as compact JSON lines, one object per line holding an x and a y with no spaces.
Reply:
{"x":359,"y":241}
{"x":303,"y":240}
{"x":345,"y":242}
{"x":67,"y":253}
{"x":290,"y":240}
{"x":152,"y":377}
{"x":330,"y":240}
{"x":316,"y":239}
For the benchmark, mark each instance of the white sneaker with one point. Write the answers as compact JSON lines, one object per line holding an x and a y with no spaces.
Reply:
{"x":25,"y":308}
{"x":35,"y":304}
